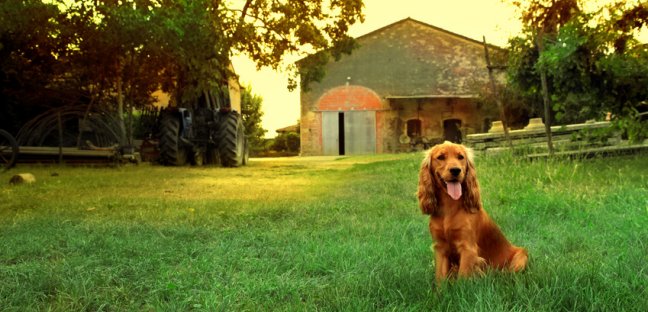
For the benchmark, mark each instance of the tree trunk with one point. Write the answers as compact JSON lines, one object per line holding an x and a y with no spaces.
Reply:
{"x":120,"y":111}
{"x":500,"y":105}
{"x":82,"y":126}
{"x":545,"y":96}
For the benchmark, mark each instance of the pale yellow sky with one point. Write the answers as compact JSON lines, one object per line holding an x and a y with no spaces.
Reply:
{"x":471,"y":18}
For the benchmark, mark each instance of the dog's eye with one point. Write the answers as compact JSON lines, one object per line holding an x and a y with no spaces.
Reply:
{"x":441,"y":157}
{"x":460,"y":157}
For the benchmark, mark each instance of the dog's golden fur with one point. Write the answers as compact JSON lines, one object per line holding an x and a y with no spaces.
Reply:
{"x":466,"y":240}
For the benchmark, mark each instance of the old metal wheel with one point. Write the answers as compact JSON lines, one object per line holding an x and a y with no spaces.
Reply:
{"x":8,"y":150}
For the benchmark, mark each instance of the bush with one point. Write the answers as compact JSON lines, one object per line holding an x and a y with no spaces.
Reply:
{"x":286,"y":142}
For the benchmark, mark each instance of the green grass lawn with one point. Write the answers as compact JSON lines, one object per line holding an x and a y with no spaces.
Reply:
{"x":316,"y":234}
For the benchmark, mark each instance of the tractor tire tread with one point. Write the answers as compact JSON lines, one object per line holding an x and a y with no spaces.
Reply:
{"x":227,"y":139}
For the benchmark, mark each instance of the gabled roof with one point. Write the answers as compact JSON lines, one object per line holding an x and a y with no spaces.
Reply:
{"x":426,"y":25}
{"x":371,"y":33}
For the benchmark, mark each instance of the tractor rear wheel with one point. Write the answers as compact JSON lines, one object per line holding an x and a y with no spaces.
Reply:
{"x":231,"y":140}
{"x":172,"y":152}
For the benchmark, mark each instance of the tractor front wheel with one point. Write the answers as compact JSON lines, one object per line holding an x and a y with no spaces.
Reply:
{"x":172,"y":152}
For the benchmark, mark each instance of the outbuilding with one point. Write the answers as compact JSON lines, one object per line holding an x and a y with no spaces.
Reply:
{"x":407,"y":86}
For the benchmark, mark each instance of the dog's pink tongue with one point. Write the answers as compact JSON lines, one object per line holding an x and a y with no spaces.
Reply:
{"x":454,"y":190}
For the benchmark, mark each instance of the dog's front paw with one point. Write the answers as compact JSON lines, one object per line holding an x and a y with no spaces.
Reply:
{"x":480,"y":266}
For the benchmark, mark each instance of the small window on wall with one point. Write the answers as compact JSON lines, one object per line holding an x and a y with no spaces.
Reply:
{"x":414,"y":128}
{"x":452,"y":130}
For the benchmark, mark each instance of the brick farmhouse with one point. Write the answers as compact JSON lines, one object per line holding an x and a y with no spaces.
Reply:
{"x":407,"y":86}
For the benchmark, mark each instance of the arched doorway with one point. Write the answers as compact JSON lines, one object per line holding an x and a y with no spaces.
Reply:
{"x":349,"y":120}
{"x":452,"y":130}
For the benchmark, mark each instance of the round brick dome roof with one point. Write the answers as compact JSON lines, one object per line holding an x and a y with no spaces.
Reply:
{"x":349,"y":98}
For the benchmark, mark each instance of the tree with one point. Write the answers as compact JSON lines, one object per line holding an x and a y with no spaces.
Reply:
{"x":286,"y":142}
{"x":545,"y":18}
{"x":252,"y":114}
{"x":592,"y":68}
{"x":197,"y":38}
{"x":28,"y":63}
{"x":115,"y":53}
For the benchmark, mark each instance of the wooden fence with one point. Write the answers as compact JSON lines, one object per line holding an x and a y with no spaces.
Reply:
{"x":576,"y":140}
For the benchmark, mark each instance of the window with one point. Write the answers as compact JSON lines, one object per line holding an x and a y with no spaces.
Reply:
{"x":452,"y":130}
{"x":414,"y":128}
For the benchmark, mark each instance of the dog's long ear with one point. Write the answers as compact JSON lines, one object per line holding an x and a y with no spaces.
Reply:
{"x":427,"y":188}
{"x":472,"y":196}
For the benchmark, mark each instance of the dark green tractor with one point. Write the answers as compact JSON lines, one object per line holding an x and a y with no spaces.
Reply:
{"x":207,"y":130}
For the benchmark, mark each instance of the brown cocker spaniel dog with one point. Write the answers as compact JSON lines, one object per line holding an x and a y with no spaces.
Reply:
{"x":466,"y":240}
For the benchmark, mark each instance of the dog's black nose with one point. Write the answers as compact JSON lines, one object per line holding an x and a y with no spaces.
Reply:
{"x":455,"y":171}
